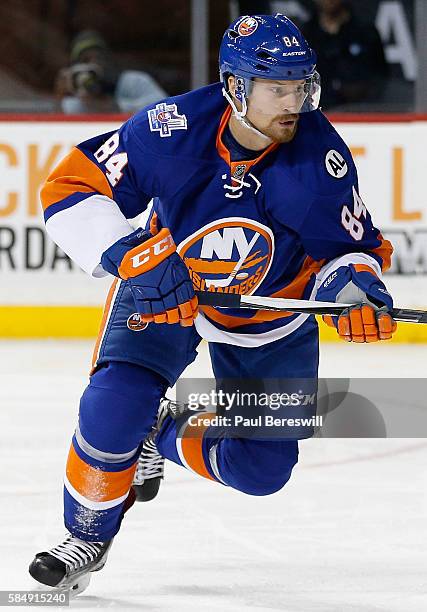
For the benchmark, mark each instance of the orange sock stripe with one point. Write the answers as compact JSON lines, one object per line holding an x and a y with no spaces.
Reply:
{"x":96,"y":484}
{"x":191,"y":446}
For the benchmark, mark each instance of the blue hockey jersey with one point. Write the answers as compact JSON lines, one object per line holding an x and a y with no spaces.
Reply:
{"x":274,"y":225}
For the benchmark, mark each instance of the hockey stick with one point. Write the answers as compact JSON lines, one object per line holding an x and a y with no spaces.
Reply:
{"x":255,"y":302}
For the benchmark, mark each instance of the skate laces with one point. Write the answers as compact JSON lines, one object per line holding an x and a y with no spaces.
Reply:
{"x":150,"y":462}
{"x":76,"y":553}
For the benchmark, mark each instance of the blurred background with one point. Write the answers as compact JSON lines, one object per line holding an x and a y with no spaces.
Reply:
{"x":70,"y":69}
{"x":378,"y":45}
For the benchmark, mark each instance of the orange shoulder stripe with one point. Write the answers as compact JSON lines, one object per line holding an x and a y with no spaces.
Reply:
{"x":74,"y":173}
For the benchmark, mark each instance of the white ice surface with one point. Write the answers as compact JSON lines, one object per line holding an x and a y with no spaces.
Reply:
{"x":346,"y":534}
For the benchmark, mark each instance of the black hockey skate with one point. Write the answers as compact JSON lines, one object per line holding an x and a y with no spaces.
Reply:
{"x":69,"y":565}
{"x":151,"y":465}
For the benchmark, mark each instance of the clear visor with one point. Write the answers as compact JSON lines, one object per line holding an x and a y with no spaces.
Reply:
{"x":284,"y":97}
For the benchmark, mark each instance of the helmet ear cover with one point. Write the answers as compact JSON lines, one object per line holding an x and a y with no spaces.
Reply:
{"x":243,"y":86}
{"x":240,"y":89}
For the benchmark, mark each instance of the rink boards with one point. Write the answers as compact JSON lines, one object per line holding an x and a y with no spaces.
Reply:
{"x":44,"y":295}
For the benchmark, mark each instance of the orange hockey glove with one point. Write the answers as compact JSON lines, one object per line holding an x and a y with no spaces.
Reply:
{"x":363,"y":324}
{"x":159,"y":279}
{"x":368,"y":320}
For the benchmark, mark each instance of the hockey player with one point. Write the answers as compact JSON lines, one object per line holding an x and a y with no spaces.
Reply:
{"x":254,"y":192}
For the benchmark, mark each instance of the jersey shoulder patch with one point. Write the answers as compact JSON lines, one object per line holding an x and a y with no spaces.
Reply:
{"x":181,"y":125}
{"x":335,"y":164}
{"x":164,"y":118}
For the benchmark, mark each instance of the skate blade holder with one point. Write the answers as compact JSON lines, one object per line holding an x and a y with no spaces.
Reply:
{"x":76,"y":587}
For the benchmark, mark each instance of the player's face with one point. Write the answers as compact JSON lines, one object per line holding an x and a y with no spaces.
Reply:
{"x":274,"y":106}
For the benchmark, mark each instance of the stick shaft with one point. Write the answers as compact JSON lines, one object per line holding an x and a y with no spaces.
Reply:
{"x":232,"y":300}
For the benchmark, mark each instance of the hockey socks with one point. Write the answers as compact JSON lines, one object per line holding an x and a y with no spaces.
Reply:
{"x":189,"y":444}
{"x":253,"y":466}
{"x":117,"y":411}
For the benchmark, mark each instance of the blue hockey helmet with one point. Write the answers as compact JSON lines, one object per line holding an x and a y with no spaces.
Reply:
{"x":267,"y":47}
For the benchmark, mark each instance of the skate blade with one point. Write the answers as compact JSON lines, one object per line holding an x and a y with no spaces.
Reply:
{"x":74,"y":588}
{"x":78,"y":586}
{"x":80,"y":583}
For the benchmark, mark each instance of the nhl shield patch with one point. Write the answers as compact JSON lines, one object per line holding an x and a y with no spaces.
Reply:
{"x":165,"y":118}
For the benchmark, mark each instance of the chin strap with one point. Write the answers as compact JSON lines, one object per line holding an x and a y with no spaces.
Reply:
{"x":241,"y":115}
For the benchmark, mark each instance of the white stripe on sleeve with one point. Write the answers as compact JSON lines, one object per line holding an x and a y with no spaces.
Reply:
{"x":84,"y":231}
{"x":345,"y":260}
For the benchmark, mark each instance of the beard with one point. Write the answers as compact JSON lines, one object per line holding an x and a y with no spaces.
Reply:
{"x":281,"y":129}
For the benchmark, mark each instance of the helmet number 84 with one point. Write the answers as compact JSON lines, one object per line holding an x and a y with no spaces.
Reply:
{"x":289,"y":42}
{"x":114,"y":164}
{"x":351,"y":220}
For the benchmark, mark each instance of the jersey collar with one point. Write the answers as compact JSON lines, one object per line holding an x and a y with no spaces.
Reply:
{"x":236,"y":166}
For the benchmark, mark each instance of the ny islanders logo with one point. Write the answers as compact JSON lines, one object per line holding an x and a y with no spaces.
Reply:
{"x":231,"y":255}
{"x":247,"y":26}
{"x":135,"y":324}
